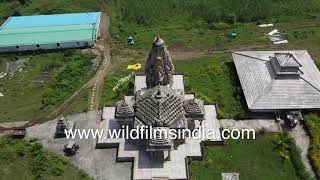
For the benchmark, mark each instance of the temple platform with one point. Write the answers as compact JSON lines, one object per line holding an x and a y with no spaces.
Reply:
{"x":144,"y":165}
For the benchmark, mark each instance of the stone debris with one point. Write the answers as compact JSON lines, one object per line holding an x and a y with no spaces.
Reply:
{"x":13,"y":67}
{"x":1,"y":95}
{"x":265,"y":25}
{"x":230,"y":176}
{"x":276,"y":37}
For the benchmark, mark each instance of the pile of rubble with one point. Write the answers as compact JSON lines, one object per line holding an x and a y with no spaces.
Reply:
{"x":276,"y":37}
{"x":13,"y":67}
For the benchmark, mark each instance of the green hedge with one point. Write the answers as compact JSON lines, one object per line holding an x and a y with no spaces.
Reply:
{"x":313,"y":125}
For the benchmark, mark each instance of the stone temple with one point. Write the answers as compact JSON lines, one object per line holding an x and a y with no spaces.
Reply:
{"x":160,"y":102}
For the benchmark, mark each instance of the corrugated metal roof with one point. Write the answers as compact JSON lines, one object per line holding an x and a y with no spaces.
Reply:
{"x":264,"y":90}
{"x":46,"y":35}
{"x":49,"y":29}
{"x":51,"y":20}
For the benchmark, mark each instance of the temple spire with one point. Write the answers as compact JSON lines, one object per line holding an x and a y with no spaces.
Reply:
{"x":159,"y":67}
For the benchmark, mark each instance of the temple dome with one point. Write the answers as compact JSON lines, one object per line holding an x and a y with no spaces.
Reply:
{"x":160,"y":107}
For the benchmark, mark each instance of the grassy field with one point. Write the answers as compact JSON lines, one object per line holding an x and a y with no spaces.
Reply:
{"x":214,"y":80}
{"x":28,"y":160}
{"x":45,"y":82}
{"x":297,"y":20}
{"x":313,"y":124}
{"x":81,"y":104}
{"x":253,"y":159}
{"x":109,"y":97}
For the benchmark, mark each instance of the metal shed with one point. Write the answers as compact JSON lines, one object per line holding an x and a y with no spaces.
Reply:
{"x":49,"y":32}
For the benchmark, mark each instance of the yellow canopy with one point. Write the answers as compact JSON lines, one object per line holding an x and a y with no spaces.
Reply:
{"x":134,"y":66}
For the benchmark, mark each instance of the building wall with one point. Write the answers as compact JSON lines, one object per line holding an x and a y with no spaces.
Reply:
{"x":35,"y":47}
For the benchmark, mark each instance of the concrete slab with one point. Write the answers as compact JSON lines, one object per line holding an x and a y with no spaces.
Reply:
{"x":269,"y":125}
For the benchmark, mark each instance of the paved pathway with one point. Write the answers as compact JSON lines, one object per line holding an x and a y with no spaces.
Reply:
{"x":269,"y":125}
{"x":303,"y":142}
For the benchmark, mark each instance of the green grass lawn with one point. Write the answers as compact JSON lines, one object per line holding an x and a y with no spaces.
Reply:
{"x":62,"y":73}
{"x":253,"y":159}
{"x":109,"y":97}
{"x":20,"y":159}
{"x":214,"y":80}
{"x":81,"y":104}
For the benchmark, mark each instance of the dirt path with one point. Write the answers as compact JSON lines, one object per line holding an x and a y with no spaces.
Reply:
{"x":102,"y":45}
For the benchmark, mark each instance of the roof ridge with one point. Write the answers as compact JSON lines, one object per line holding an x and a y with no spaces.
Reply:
{"x":310,"y":84}
{"x":249,"y":56}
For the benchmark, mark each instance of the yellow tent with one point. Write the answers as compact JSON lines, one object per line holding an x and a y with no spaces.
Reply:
{"x":134,"y":67}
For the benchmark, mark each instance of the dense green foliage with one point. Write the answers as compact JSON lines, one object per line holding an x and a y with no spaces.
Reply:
{"x":76,"y":70}
{"x":313,"y":124}
{"x":214,"y":80}
{"x":30,"y":7}
{"x":19,"y":158}
{"x":145,"y":12}
{"x":289,"y":151}
{"x":253,"y":159}
{"x":45,"y":82}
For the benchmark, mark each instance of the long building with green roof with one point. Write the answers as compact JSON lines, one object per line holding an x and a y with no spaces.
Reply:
{"x":57,"y":31}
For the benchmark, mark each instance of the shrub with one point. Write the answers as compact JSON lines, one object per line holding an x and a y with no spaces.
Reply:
{"x":313,"y":125}
{"x":288,"y":150}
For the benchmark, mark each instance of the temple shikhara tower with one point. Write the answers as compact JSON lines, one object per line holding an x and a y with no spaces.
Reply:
{"x":159,"y":68}
{"x":160,"y":102}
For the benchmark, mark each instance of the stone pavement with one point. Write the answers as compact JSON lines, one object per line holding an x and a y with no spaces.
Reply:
{"x":98,"y":163}
{"x":303,"y":142}
{"x":269,"y":125}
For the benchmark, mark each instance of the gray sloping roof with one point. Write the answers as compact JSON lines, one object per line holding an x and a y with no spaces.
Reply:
{"x":263,"y":89}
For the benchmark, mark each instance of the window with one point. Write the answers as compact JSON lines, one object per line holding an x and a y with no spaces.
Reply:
{"x":58,"y":44}
{"x":38,"y":45}
{"x":17,"y":47}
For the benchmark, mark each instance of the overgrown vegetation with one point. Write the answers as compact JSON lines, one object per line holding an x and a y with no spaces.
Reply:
{"x":214,"y":80}
{"x":145,"y":12}
{"x":45,"y":82}
{"x":20,"y":158}
{"x":289,"y":151}
{"x":184,"y":30}
{"x":313,"y":124}
{"x":109,"y":97}
{"x":253,"y":159}
{"x":76,"y":70}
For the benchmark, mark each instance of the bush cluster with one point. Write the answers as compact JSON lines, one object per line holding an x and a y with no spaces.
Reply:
{"x":41,"y":164}
{"x":313,"y":125}
{"x":76,"y":70}
{"x":288,"y":150}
